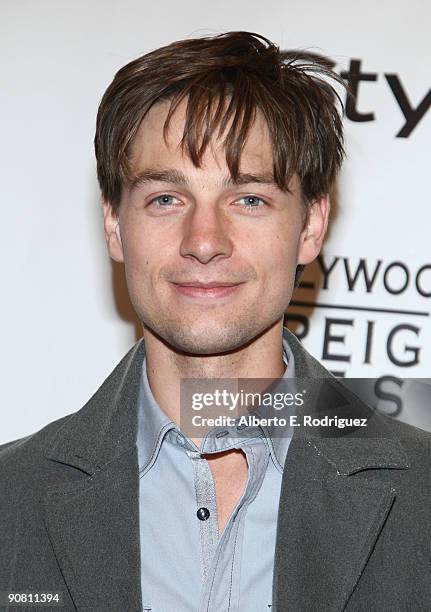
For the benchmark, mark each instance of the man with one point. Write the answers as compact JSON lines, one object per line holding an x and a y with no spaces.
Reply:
{"x":215,"y":159}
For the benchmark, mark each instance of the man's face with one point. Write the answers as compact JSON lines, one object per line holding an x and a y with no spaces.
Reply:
{"x":182,"y":224}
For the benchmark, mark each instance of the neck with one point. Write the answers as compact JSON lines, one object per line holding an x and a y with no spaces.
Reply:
{"x":261,"y":357}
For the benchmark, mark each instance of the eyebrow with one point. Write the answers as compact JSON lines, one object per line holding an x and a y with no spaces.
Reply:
{"x":176,"y":177}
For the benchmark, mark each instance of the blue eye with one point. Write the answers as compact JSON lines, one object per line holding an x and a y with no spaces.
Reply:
{"x":252,"y":201}
{"x":163,"y":200}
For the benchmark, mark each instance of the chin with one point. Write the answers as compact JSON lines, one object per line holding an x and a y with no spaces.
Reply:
{"x":204,"y":343}
{"x":208,"y":338}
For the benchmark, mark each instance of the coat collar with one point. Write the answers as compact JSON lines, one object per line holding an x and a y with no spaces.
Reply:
{"x":348,"y":451}
{"x":106,"y":426}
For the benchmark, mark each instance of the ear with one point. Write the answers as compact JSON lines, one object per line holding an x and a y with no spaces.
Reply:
{"x":111,"y":223}
{"x":313,"y":233}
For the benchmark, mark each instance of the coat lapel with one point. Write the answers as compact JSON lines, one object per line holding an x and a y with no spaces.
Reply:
{"x":93,"y":522}
{"x":328,"y":525}
{"x":334,"y":500}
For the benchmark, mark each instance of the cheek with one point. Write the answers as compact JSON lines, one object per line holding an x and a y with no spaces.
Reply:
{"x":277,"y":262}
{"x":278,"y":249}
{"x":146,"y":252}
{"x":139,"y":252}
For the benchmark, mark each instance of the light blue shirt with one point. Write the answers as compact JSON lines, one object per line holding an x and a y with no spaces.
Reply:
{"x":186,"y":566}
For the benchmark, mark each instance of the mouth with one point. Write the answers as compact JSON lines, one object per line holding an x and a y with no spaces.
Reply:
{"x":207,"y":290}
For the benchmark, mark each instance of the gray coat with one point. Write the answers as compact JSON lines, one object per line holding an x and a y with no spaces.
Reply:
{"x":353,"y":526}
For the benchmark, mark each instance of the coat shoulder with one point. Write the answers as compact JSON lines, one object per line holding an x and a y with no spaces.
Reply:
{"x":415,"y":441}
{"x":23,"y":455}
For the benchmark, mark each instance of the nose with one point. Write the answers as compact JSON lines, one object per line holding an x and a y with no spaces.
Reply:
{"x":206,"y":234}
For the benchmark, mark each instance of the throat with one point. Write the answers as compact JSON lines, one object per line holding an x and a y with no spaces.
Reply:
{"x":229,"y":470}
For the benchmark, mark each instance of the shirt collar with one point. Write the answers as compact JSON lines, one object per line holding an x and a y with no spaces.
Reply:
{"x":153,"y":423}
{"x":280,"y":444}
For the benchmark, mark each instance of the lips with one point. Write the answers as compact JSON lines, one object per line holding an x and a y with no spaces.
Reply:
{"x":209,"y":285}
{"x":213,"y":289}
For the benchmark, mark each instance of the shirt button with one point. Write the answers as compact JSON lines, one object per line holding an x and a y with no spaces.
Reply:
{"x":203,"y":514}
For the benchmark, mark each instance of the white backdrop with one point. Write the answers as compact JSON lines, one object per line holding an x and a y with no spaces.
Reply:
{"x":63,"y":330}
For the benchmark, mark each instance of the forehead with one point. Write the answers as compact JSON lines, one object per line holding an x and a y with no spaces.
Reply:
{"x":151,"y":148}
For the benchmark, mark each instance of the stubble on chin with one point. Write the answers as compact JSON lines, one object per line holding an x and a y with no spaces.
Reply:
{"x":204,"y":337}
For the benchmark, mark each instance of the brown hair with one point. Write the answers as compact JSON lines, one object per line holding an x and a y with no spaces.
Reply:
{"x":227,"y":78}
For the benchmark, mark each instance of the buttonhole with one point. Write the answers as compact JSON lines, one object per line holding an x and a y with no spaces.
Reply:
{"x":221,"y":434}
